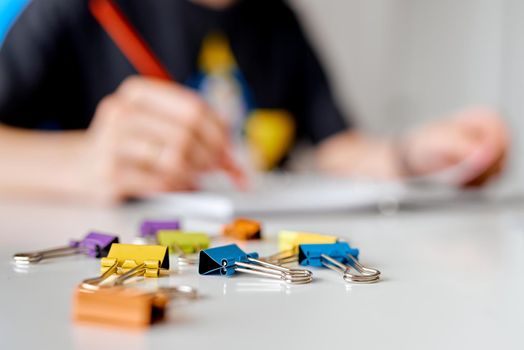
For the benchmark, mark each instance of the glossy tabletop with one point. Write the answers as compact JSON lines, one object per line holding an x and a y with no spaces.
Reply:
{"x":453,"y":278}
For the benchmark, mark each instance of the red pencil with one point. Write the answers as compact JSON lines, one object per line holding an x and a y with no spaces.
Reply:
{"x":128,"y":40}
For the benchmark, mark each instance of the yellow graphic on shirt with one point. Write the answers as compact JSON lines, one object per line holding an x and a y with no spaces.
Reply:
{"x":269,"y":133}
{"x":216,"y":56}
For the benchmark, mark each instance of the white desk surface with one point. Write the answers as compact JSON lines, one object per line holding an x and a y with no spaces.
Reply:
{"x":453,"y":279}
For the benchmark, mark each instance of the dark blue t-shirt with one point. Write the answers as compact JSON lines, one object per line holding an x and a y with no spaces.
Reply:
{"x":57,"y":63}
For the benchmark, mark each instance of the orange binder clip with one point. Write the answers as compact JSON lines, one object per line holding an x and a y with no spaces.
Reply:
{"x":243,"y":229}
{"x":125,"y":307}
{"x":113,"y":304}
{"x":119,"y":306}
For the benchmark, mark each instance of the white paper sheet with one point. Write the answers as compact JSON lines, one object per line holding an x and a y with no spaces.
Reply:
{"x":276,"y":193}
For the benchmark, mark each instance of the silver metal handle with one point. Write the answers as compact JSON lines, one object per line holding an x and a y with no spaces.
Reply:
{"x":94,"y":283}
{"x":365,"y":274}
{"x":265,"y":269}
{"x":35,"y":257}
{"x":283,"y":257}
{"x":183,"y":258}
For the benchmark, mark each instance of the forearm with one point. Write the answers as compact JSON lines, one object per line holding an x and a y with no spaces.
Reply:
{"x":361,"y":156}
{"x":39,"y":163}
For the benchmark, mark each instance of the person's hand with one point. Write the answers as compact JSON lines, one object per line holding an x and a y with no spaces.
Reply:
{"x":472,"y":144}
{"x":153,"y":136}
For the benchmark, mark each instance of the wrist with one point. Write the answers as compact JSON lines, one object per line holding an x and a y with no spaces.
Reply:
{"x":45,"y":164}
{"x":68,"y":168}
{"x":76,"y":166}
{"x":403,"y":163}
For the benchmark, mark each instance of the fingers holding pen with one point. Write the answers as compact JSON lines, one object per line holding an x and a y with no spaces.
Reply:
{"x":172,"y":144}
{"x":183,"y":107}
{"x":159,"y":132}
{"x":180,"y":104}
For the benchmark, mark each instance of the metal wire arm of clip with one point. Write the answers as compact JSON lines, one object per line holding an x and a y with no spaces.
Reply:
{"x":183,"y":258}
{"x":265,"y":269}
{"x":173,"y":291}
{"x":34,"y":257}
{"x":366,"y":274}
{"x":283,"y":257}
{"x":96,"y":283}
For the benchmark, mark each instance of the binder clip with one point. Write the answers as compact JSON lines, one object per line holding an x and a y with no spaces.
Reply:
{"x":93,"y":244}
{"x":124,"y":257}
{"x":184,"y":244}
{"x":339,"y":257}
{"x":229,"y":259}
{"x":97,"y":283}
{"x":288,"y":242}
{"x":125,"y":307}
{"x":128,"y":261}
{"x":150,"y":228}
{"x":243,"y":229}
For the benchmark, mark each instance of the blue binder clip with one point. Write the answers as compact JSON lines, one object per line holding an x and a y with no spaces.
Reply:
{"x":339,"y":257}
{"x":229,"y":259}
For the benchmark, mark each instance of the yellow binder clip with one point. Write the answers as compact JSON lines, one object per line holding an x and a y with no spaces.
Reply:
{"x":184,"y":244}
{"x":124,"y":257}
{"x":124,"y":260}
{"x":288,"y":242}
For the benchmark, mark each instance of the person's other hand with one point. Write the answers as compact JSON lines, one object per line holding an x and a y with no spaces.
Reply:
{"x":475,"y":141}
{"x":153,"y":136}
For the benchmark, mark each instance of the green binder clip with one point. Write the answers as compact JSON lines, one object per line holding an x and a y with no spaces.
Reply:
{"x":186,"y":245}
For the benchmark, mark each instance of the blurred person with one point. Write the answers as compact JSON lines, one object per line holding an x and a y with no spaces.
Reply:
{"x":77,"y":120}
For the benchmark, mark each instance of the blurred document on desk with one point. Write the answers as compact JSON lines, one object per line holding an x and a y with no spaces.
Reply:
{"x":286,"y":193}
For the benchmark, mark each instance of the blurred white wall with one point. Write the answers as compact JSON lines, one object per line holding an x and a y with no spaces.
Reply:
{"x":397,"y":63}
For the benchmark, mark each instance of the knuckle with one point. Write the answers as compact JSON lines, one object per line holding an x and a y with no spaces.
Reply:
{"x":131,"y":87}
{"x":106,"y":104}
{"x":130,"y":83}
{"x":111,"y":107}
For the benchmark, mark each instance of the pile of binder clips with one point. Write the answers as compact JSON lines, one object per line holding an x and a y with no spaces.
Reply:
{"x":113,"y":298}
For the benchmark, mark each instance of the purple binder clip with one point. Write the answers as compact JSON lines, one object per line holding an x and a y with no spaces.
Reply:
{"x":94,"y":244}
{"x":149,"y":228}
